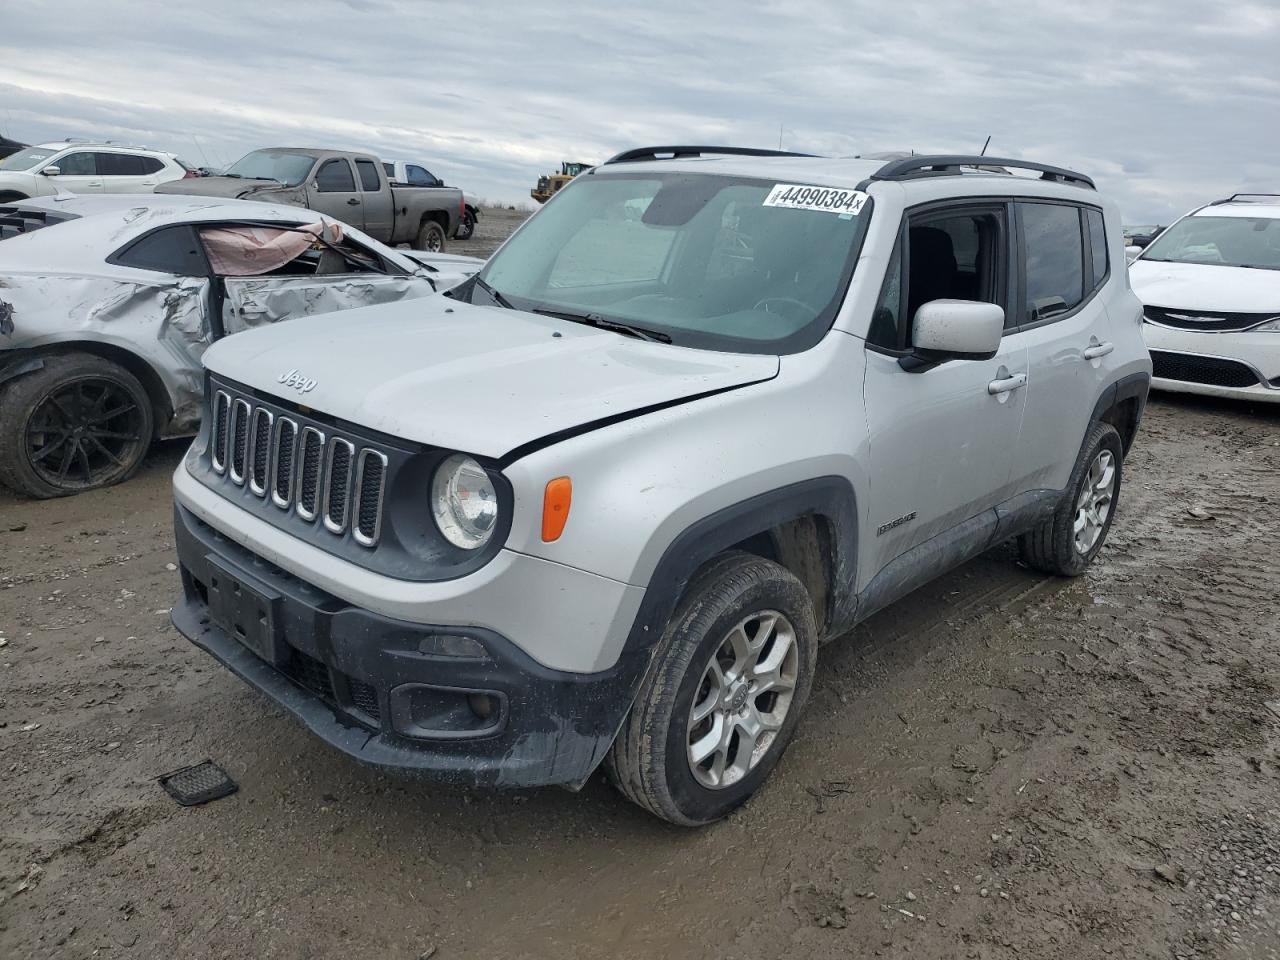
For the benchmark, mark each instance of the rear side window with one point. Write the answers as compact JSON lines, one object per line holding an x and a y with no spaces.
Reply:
{"x":173,"y":249}
{"x":419,"y":177}
{"x":335,"y":177}
{"x":120,"y":165}
{"x":79,"y":164}
{"x":1097,"y":245}
{"x":1054,"y":254}
{"x":368,"y":175}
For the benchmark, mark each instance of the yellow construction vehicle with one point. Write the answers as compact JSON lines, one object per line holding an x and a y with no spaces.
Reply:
{"x":550,"y":185}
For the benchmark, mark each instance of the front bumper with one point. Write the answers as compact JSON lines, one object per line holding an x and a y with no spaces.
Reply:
{"x":1192,"y":360}
{"x":343,"y":670}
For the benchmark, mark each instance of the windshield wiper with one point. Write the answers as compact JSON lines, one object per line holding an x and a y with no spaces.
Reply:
{"x":237,"y":176}
{"x":494,"y":295}
{"x":603,"y":323}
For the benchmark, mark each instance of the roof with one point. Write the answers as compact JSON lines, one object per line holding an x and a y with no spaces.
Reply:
{"x":107,"y":222}
{"x":99,"y":145}
{"x":1243,"y":205}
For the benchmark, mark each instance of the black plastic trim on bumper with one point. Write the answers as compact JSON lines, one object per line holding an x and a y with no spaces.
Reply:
{"x":557,"y":726}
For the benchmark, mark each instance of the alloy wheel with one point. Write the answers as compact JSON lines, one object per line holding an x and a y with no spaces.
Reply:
{"x":1093,"y":506}
{"x":84,"y":433}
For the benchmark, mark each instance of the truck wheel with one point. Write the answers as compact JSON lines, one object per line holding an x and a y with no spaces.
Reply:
{"x":430,"y":237}
{"x":1067,"y":543}
{"x":731,"y":677}
{"x":466,"y":227}
{"x":78,"y":423}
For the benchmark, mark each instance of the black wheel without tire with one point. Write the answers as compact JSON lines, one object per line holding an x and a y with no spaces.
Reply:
{"x":466,"y":227}
{"x":732,"y":674}
{"x":1067,"y":543}
{"x":430,"y":237}
{"x":79,"y":423}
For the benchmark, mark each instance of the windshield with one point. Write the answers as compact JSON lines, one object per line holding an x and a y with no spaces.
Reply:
{"x":1225,"y":241}
{"x":26,"y":159}
{"x":723,"y":263}
{"x":288,"y":168}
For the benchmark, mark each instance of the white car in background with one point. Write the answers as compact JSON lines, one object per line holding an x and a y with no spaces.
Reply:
{"x":1210,"y":288}
{"x":83,"y":167}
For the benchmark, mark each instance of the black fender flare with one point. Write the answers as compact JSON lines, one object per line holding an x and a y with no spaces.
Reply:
{"x":20,"y":368}
{"x":1134,"y":386}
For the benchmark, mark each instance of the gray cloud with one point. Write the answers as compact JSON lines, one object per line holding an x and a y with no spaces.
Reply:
{"x":1167,"y":104}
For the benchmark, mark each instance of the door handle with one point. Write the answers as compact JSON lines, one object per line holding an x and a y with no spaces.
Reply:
{"x":1096,"y":350}
{"x":352,"y":202}
{"x":1007,"y":384}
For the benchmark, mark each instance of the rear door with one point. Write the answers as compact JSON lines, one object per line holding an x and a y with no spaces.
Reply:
{"x":942,"y":436}
{"x":78,"y":172}
{"x":334,"y":192}
{"x":127,"y":172}
{"x":375,"y":199}
{"x":1065,"y":329}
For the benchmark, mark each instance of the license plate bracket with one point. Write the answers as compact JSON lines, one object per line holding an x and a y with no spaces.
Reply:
{"x":246,"y":609}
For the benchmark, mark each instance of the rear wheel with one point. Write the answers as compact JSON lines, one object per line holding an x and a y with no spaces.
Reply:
{"x":79,"y":423}
{"x":430,"y":237}
{"x":732,"y":675}
{"x":1067,"y":543}
{"x":466,"y":227}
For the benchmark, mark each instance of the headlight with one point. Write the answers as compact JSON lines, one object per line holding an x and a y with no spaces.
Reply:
{"x":463,"y":502}
{"x":1271,"y":326}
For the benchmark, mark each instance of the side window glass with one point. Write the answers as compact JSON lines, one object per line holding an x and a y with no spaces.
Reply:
{"x":1097,"y":245}
{"x":956,"y":256}
{"x":168,"y":250}
{"x":119,"y":165}
{"x":335,"y":177}
{"x":885,"y":321}
{"x":1054,"y":255}
{"x":150,"y":164}
{"x":419,"y":177}
{"x":368,"y":175}
{"x":80,"y":164}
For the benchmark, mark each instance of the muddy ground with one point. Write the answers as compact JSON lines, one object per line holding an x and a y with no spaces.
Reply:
{"x":1001,"y":766}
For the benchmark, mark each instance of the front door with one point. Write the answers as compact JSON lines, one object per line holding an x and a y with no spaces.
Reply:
{"x":335,"y":194}
{"x":942,"y":437}
{"x":78,"y":172}
{"x":254,"y":301}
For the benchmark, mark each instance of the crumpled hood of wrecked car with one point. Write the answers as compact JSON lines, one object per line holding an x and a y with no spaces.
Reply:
{"x":219,"y":186}
{"x":482,"y":380}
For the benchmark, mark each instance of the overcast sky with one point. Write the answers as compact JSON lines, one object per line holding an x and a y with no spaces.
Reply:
{"x":1167,"y":104}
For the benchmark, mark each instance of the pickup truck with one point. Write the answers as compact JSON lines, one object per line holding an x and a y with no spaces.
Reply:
{"x":351,"y":187}
{"x":416,"y":175}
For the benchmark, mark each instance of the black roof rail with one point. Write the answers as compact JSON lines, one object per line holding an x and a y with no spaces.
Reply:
{"x":910,"y":168}
{"x":1237,"y":196}
{"x":677,"y":153}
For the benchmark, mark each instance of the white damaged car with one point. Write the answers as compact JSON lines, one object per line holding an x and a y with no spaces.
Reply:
{"x":1210,"y":288}
{"x":107,"y":304}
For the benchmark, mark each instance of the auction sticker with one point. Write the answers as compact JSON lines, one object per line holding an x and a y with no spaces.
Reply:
{"x":797,"y":196}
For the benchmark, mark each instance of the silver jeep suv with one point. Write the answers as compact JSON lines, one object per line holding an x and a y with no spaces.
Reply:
{"x":707,"y":409}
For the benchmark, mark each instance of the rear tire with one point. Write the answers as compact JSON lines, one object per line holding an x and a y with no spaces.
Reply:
{"x":731,"y":677}
{"x":1066,"y":544}
{"x":430,"y":237}
{"x":466,"y":226}
{"x":78,"y":423}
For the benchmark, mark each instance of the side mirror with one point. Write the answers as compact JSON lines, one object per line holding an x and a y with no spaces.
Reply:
{"x":1132,"y":251}
{"x":963,"y":329}
{"x":52,"y":170}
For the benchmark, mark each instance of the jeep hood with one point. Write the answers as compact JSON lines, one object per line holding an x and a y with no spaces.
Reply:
{"x":1197,"y":286}
{"x":481,"y":380}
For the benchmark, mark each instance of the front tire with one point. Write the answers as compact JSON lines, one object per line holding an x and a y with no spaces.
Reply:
{"x":78,"y":423}
{"x":430,"y":237}
{"x":1066,"y":544}
{"x":466,"y":227}
{"x":731,"y":677}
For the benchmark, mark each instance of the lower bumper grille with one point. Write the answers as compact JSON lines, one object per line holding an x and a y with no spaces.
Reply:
{"x":1211,"y":371}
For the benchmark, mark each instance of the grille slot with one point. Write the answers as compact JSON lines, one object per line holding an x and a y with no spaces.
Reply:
{"x":221,"y":414}
{"x":312,"y":457}
{"x":364,"y":697}
{"x":337,"y":485}
{"x":282,"y":458}
{"x":371,"y":474}
{"x":239,"y":439}
{"x":259,"y":450}
{"x":319,"y":477}
{"x":1211,"y":371}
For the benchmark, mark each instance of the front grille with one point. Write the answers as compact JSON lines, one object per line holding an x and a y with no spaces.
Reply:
{"x":1211,"y":371}
{"x":316,"y":477}
{"x":310,"y":673}
{"x":364,"y":697}
{"x":1214,"y":321}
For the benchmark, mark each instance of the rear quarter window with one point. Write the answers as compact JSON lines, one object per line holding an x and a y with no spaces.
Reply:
{"x":176,"y":250}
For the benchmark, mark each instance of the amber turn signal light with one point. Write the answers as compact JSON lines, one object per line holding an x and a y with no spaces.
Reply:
{"x":555,"y":508}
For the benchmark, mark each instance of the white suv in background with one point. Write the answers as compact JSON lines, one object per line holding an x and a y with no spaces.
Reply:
{"x":1210,"y":288}
{"x":83,"y":167}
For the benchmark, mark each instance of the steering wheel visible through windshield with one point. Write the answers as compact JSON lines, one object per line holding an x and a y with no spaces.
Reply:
{"x":702,"y":260}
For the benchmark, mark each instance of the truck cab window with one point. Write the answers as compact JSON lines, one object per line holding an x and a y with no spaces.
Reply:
{"x":335,"y":177}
